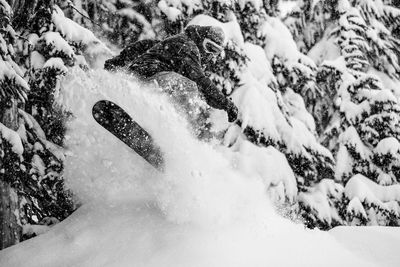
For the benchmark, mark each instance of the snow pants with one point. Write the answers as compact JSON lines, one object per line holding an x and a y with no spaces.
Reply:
{"x":187,"y":100}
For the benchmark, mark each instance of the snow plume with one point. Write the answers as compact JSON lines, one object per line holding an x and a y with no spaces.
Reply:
{"x":201,"y":212}
{"x":199,"y":184}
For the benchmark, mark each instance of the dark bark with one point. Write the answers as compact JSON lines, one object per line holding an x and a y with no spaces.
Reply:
{"x":25,"y":10}
{"x":10,"y":230}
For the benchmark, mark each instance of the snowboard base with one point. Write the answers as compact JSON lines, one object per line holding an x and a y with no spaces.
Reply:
{"x":115,"y":120}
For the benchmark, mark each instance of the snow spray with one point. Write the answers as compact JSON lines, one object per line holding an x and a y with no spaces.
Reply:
{"x":199,"y":212}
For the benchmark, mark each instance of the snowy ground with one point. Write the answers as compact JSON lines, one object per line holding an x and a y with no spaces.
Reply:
{"x":137,"y":234}
{"x":202,"y":212}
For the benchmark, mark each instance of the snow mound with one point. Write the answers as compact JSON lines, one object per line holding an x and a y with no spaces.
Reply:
{"x":365,"y":189}
{"x":389,"y":145}
{"x":137,"y":234}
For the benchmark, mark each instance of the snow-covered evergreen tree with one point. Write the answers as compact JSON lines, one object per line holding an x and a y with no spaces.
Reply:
{"x":55,"y":43}
{"x":120,"y":22}
{"x":355,"y":49}
{"x":369,"y":142}
{"x":32,"y":159}
{"x":13,"y":89}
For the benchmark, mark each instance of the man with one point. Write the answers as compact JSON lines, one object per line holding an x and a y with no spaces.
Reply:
{"x":184,"y":54}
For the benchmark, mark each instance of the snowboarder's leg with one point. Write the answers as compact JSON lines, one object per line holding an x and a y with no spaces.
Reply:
{"x":187,"y":100}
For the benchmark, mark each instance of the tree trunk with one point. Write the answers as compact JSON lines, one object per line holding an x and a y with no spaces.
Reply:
{"x":23,"y":11}
{"x":10,"y":230}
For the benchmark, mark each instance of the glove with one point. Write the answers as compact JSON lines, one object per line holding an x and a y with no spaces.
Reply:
{"x":232,"y":111}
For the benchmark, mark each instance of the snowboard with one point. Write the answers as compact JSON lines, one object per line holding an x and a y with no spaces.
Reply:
{"x":115,"y":120}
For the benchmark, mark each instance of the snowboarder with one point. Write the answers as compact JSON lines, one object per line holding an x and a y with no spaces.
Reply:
{"x":184,"y":54}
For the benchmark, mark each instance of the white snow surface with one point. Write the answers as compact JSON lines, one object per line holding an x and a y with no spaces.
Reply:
{"x":389,"y":145}
{"x":279,"y":40}
{"x":58,"y":43}
{"x":7,"y":71}
{"x":286,"y":7}
{"x":231,"y":28}
{"x":75,"y":33}
{"x":12,"y":138}
{"x":367,"y":190}
{"x":57,"y":63}
{"x":172,"y":8}
{"x":318,"y":199}
{"x":205,"y":210}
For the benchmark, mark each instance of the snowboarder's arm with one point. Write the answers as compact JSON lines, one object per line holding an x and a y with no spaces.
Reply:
{"x":129,"y":54}
{"x":214,"y":97}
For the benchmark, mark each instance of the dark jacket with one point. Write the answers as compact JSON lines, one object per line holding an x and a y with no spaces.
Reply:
{"x":179,"y":54}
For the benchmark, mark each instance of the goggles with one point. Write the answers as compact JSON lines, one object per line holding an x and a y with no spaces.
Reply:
{"x":212,"y":47}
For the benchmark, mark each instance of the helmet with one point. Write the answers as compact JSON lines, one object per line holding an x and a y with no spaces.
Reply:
{"x":209,"y":39}
{"x":213,"y":39}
